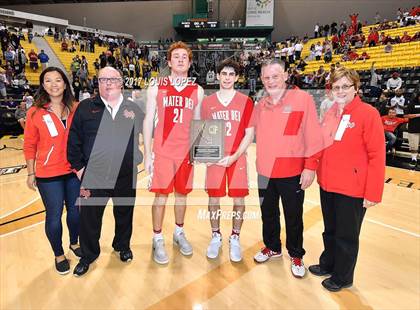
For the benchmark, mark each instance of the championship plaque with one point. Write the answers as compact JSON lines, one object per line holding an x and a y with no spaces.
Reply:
{"x":207,"y":140}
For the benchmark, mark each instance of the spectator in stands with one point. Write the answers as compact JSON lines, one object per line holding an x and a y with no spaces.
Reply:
{"x":394,"y":82}
{"x":391,"y":123}
{"x":316,"y":30}
{"x":3,"y":83}
{"x":30,"y":37}
{"x":373,"y":37}
{"x":413,"y":115}
{"x":319,"y":78}
{"x":382,"y":104}
{"x":309,"y":80}
{"x":21,"y":58}
{"x":375,"y":82}
{"x":76,"y":87}
{"x":20,"y":114}
{"x":9,"y":56}
{"x":326,"y":103}
{"x":327,"y":51}
{"x":33,"y":60}
{"x":405,"y":38}
{"x":291,"y":53}
{"x":318,"y":51}
{"x":298,"y":50}
{"x":74,"y":67}
{"x":301,"y":65}
{"x":398,"y":103}
{"x":46,"y":132}
{"x":83,"y":76}
{"x":364,"y":56}
{"x":43,"y":59}
{"x":252,"y":76}
{"x":29,"y":100}
{"x":64,"y":46}
{"x":84,"y":94}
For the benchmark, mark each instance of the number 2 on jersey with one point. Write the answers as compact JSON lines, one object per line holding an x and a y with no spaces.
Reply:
{"x":178,"y":115}
{"x":228,"y":129}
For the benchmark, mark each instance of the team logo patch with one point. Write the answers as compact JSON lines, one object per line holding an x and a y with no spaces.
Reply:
{"x":129,"y":114}
{"x":351,"y":125}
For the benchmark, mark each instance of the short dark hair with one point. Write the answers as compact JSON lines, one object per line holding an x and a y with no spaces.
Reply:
{"x":229,"y":63}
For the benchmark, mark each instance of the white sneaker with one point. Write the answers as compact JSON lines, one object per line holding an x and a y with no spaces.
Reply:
{"x":159,"y":252}
{"x":235,"y":249}
{"x":265,"y":254}
{"x":184,"y":246}
{"x":298,"y":268}
{"x":214,"y":246}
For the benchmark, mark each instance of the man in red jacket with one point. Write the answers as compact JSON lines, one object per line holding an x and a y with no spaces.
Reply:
{"x":288,"y":141}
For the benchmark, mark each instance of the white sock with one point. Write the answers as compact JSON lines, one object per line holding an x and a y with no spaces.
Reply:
{"x":178,"y":230}
{"x":158,"y":236}
{"x":413,"y":156}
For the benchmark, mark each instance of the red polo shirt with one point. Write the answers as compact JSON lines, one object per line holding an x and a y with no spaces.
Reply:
{"x":288,"y":135}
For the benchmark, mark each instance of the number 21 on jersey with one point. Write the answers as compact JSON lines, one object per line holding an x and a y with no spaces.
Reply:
{"x":178,"y":115}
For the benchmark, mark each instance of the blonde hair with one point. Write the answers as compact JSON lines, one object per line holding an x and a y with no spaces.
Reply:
{"x":350,"y":74}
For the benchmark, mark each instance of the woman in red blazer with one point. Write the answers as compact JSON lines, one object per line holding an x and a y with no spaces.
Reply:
{"x":45,"y":149}
{"x":350,"y":175}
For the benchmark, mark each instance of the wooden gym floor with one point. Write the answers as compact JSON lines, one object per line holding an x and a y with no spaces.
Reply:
{"x":387,"y":274}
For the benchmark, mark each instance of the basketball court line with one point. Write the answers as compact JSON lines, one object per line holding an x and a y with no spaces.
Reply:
{"x":22,"y":229}
{"x":20,"y":208}
{"x":376,"y":222}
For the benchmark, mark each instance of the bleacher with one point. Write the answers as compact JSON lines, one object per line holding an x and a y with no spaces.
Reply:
{"x":403,"y":55}
{"x":66,"y":58}
{"x":32,"y":76}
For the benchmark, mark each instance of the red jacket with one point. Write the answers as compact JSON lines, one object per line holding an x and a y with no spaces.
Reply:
{"x":48,"y":148}
{"x":288,"y":135}
{"x":355,"y":165}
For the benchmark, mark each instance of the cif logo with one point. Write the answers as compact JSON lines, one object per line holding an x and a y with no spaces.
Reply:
{"x":263,"y":3}
{"x":213,"y":129}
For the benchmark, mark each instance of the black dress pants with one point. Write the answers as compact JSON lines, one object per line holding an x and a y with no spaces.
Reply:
{"x":292,"y":196}
{"x":343,"y":216}
{"x":123,"y":196}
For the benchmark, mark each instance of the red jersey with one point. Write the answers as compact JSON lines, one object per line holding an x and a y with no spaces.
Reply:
{"x":390,"y":124}
{"x":236,"y":115}
{"x":175,"y":110}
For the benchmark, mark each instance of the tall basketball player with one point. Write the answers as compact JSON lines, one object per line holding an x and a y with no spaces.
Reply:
{"x":176,"y":101}
{"x":235,"y":109}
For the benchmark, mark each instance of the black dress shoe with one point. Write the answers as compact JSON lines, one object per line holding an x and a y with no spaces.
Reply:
{"x":62,"y":267}
{"x":330,"y":285}
{"x":77,"y":251}
{"x":80,"y":269}
{"x":125,"y":256}
{"x":318,"y":270}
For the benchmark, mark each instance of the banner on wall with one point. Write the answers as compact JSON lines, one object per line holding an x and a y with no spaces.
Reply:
{"x":259,"y":13}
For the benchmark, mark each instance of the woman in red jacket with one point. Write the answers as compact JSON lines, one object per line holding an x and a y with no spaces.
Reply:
{"x":350,"y":175}
{"x":45,"y":149}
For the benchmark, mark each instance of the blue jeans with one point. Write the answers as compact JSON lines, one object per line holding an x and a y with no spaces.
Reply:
{"x":54,"y":194}
{"x":390,"y":140}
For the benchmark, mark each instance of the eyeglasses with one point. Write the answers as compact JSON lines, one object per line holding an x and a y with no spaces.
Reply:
{"x":344,"y":88}
{"x":103,"y":80}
